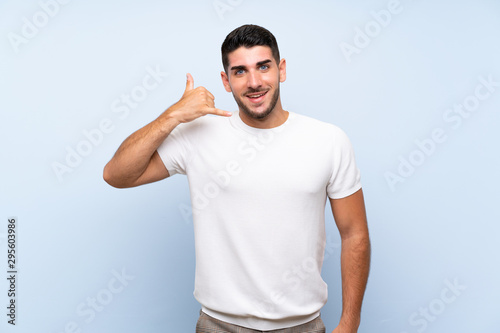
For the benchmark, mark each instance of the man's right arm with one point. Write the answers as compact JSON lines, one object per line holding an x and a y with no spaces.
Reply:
{"x":136,"y":162}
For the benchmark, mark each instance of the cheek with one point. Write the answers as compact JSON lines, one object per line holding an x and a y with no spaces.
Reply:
{"x":273,"y":79}
{"x":237,"y":89}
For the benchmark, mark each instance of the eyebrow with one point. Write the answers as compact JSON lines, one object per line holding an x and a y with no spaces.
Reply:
{"x":260,"y":63}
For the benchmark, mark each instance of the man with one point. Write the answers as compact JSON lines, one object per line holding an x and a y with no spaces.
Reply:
{"x":259,"y":179}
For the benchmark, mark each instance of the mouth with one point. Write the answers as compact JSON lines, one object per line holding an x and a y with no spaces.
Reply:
{"x":256,"y":97}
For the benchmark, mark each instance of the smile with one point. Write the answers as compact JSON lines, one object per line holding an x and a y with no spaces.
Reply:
{"x":256,"y":97}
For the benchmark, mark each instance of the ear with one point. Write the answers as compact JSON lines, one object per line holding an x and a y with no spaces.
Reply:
{"x":282,"y":69}
{"x":225,"y":81}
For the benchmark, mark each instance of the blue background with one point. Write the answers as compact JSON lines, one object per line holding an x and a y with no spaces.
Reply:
{"x":434,"y":226}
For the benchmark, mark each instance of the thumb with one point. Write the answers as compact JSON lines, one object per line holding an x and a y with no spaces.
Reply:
{"x":189,"y":83}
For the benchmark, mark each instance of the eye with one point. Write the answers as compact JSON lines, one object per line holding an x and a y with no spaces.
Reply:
{"x":263,"y":67}
{"x":239,"y":72}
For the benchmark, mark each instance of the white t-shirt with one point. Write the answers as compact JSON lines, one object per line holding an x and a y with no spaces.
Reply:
{"x":258,"y":198}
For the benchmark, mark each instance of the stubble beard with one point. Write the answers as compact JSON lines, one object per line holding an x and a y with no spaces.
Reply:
{"x":258,"y":115}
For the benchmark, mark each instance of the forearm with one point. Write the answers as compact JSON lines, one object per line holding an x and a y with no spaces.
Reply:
{"x":136,"y":155}
{"x":355,"y":266}
{"x":133,"y":156}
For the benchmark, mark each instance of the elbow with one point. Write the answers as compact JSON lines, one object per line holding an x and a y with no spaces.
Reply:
{"x":107,"y":175}
{"x":359,"y":239}
{"x":115,"y":179}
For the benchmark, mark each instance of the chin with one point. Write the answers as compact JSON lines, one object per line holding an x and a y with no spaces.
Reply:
{"x":262,"y":111}
{"x":257,"y":114}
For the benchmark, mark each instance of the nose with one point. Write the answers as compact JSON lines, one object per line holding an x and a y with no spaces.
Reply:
{"x":254,"y":80}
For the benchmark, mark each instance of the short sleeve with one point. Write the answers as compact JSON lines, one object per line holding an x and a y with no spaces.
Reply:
{"x":176,"y":149}
{"x":345,"y":178}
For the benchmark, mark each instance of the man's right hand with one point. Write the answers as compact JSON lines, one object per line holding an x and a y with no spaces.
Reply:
{"x":194,"y":103}
{"x":136,"y":161}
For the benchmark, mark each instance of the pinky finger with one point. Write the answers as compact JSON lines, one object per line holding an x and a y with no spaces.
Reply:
{"x":221,"y":112}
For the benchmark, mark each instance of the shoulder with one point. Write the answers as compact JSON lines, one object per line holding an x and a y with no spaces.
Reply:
{"x":202,"y":125}
{"x":318,"y":128}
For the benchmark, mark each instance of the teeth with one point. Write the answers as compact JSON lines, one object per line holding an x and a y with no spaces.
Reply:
{"x":256,"y":96}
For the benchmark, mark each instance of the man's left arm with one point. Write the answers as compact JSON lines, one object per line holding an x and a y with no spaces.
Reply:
{"x":350,"y":216}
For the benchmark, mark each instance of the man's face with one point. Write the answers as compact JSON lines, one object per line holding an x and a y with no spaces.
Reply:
{"x":253,"y":76}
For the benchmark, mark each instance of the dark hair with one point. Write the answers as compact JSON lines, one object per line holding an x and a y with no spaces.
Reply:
{"x":248,"y":35}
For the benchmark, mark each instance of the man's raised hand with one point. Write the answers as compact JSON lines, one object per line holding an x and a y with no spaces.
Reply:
{"x":194,"y":103}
